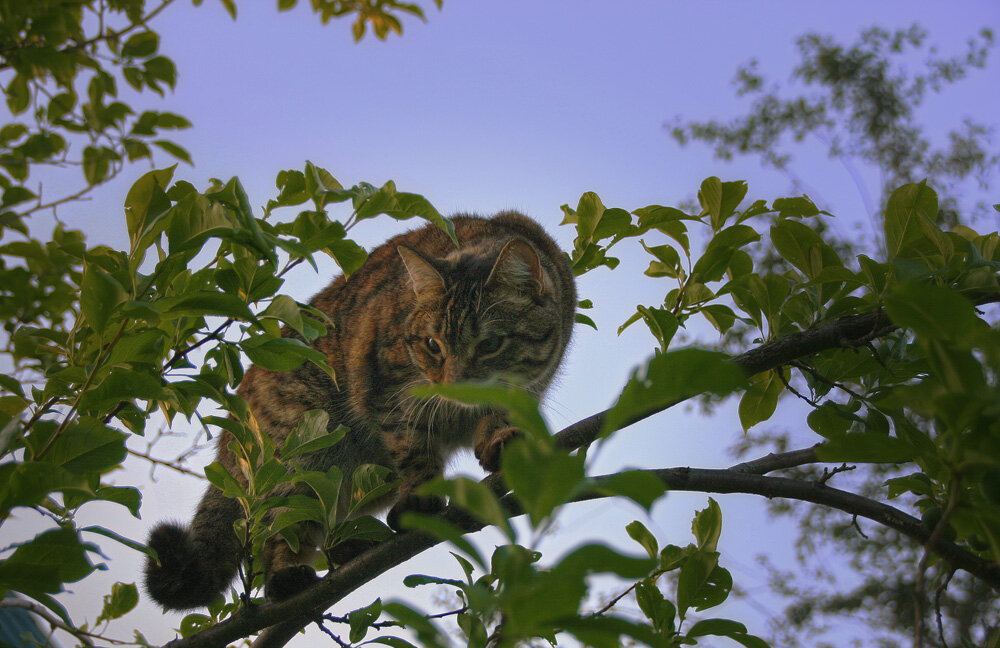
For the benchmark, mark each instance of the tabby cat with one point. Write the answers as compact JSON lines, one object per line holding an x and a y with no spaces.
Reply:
{"x":420,"y":310}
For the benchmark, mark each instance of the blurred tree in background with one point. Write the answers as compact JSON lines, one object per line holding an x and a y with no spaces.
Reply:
{"x":860,"y":103}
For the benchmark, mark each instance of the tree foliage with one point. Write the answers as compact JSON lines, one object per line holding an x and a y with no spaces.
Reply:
{"x":897,"y":354}
{"x":862,"y":102}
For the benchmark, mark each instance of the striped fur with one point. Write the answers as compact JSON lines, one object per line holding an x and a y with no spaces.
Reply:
{"x":499,"y":306}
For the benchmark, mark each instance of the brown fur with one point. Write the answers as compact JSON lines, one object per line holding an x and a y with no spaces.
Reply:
{"x":418,"y":311}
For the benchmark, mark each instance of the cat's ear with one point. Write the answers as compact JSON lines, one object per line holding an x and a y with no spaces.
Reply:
{"x":423,"y":275}
{"x":518,"y":266}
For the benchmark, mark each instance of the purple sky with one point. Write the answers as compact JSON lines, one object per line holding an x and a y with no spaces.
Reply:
{"x":513,"y":104}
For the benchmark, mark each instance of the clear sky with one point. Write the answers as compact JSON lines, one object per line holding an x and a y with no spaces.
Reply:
{"x":513,"y":104}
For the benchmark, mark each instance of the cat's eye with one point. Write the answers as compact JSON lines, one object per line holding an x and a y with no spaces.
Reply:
{"x":489,"y":345}
{"x":432,"y":345}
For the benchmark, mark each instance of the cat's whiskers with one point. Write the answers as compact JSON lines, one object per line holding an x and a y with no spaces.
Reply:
{"x":407,"y":400}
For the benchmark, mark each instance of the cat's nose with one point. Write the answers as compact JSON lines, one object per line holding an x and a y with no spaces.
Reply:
{"x":454,"y":371}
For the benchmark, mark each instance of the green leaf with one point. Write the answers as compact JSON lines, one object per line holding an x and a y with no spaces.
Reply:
{"x":638,"y":532}
{"x":409,"y":205}
{"x":720,"y":251}
{"x":415,"y":580}
{"x":267,"y":475}
{"x":362,"y":619}
{"x":100,"y":295}
{"x":127,"y":496}
{"x":16,"y":195}
{"x":830,"y":420}
{"x":794,"y":241}
{"x":521,"y":406}
{"x":542,"y":477}
{"x":206,"y":302}
{"x":672,"y":556}
{"x":702,"y":592}
{"x":311,"y":434}
{"x":761,"y":398}
{"x":44,"y":563}
{"x":720,"y":316}
{"x":596,"y":222}
{"x":123,"y":598}
{"x":580,"y":318}
{"x":18,"y":94}
{"x":369,"y":483}
{"x":327,"y":488}
{"x":600,"y":559}
{"x":146,"y":201}
{"x":661,"y":322}
{"x":720,"y":199}
{"x":908,"y":206}
{"x":108,"y":533}
{"x":656,"y":608}
{"x":234,"y":196}
{"x":640,"y":486}
{"x":475,"y":498}
{"x":668,"y":261}
{"x":707,"y":526}
{"x":175,"y":150}
{"x":28,"y":484}
{"x":795,"y":207}
{"x":121,"y":385}
{"x":349,"y":255}
{"x":606,"y":632}
{"x":670,"y":378}
{"x":717,"y":627}
{"x":444,"y":530}
{"x":281,"y":354}
{"x":221,"y":479}
{"x":84,"y":446}
{"x":428,"y":635}
{"x":141,"y":45}
{"x":866,"y":448}
{"x":933,"y":312}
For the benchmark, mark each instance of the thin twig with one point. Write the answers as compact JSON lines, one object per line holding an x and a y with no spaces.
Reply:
{"x":937,"y":605}
{"x":854,"y":523}
{"x":56,"y":623}
{"x":918,"y":589}
{"x":329,"y":633}
{"x":826,"y":381}
{"x":828,"y":473}
{"x":168,"y":464}
{"x":788,"y":386}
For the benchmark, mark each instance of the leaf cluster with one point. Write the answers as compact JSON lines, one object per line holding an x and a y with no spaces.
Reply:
{"x":98,"y":340}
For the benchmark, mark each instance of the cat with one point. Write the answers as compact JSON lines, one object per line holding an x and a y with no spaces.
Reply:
{"x":420,"y":310}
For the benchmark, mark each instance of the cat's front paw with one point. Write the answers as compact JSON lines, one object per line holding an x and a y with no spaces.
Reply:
{"x":286,"y":583}
{"x":490,"y":451}
{"x":412,"y":502}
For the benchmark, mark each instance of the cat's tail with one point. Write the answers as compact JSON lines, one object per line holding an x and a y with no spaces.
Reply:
{"x":196,"y":563}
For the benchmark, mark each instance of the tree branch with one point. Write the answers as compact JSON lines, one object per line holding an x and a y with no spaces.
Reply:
{"x":780,"y":461}
{"x":286,"y":618}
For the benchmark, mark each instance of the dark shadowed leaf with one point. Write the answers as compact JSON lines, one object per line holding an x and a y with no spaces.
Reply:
{"x":542,"y":477}
{"x":668,"y":379}
{"x":640,"y":486}
{"x":933,"y":312}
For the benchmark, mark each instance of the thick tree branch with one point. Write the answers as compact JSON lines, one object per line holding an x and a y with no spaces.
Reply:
{"x":283,"y":620}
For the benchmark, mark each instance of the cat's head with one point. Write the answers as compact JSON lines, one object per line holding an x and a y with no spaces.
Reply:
{"x":480,"y":314}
